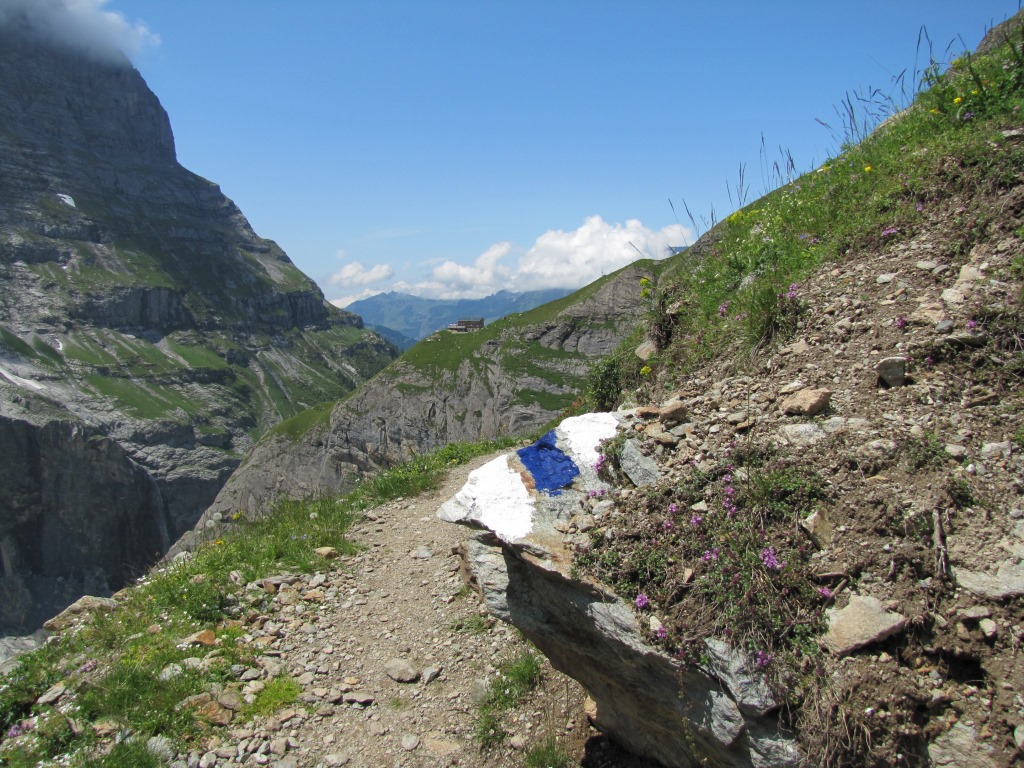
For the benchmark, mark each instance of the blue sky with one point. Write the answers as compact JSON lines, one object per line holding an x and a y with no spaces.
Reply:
{"x":453,"y":148}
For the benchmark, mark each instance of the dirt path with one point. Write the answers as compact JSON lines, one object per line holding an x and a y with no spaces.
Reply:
{"x":341,"y":631}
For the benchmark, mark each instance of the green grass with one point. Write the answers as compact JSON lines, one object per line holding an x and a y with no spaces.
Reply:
{"x":471,"y":625}
{"x":279,"y":692}
{"x":15,"y":344}
{"x":517,"y":678}
{"x":197,"y":356}
{"x":301,"y":424}
{"x":549,"y":754}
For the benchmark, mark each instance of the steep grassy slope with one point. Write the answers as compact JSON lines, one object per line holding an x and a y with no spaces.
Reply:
{"x":835,"y":410}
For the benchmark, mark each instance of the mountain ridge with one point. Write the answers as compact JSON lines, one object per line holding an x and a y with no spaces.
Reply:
{"x":415,"y":317}
{"x":142,"y":318}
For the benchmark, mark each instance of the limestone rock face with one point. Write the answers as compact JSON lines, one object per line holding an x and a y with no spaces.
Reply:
{"x":146,"y":332}
{"x":721,"y":715}
{"x":75,"y":514}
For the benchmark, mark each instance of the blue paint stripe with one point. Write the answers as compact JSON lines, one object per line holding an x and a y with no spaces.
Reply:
{"x":551,"y":469}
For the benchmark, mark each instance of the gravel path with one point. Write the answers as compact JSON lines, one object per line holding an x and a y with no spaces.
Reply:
{"x":398,"y":610}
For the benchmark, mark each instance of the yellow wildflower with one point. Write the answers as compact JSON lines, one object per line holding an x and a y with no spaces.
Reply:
{"x":867,"y":169}
{"x":934,"y":111}
{"x":958,"y":99}
{"x":975,"y":92}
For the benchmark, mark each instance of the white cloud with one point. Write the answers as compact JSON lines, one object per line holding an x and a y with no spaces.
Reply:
{"x":574,"y":259}
{"x":355,"y":273}
{"x":557,"y":259}
{"x":451,"y":280}
{"x":82,"y":24}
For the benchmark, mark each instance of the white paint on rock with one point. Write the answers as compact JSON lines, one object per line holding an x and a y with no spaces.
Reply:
{"x":583,"y":434}
{"x":494,"y":497}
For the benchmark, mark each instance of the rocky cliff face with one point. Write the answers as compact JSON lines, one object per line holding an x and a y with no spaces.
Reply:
{"x":509,"y":379}
{"x":146,"y":332}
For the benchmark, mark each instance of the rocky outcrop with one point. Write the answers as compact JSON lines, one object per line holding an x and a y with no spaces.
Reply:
{"x":77,"y":516}
{"x":719,"y":714}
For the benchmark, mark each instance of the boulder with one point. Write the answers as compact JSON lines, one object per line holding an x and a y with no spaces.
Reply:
{"x":807,"y":402}
{"x":863,"y":621}
{"x":679,"y":717}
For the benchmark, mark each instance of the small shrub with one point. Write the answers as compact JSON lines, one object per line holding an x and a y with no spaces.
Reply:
{"x":517,"y":678}
{"x":128,"y":754}
{"x":471,"y":625}
{"x":925,"y":452}
{"x":279,"y":692}
{"x":548,"y":754}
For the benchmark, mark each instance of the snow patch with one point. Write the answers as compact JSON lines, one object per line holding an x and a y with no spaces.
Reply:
{"x":20,"y":381}
{"x":494,"y":497}
{"x":66,"y":199}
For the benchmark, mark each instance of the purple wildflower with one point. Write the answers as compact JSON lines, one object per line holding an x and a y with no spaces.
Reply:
{"x":709,"y":555}
{"x":920,"y":206}
{"x":673,"y":508}
{"x":825,"y":592}
{"x":889,"y":231}
{"x":968,"y":116}
{"x":901,"y":322}
{"x":972,"y":326}
{"x":641,"y":600}
{"x":723,"y":309}
{"x":668,"y":526}
{"x":660,"y":632}
{"x":763,"y":659}
{"x":599,"y":463}
{"x":696,"y":520}
{"x":770,"y":560}
{"x":791,"y":293}
{"x":929,"y":360}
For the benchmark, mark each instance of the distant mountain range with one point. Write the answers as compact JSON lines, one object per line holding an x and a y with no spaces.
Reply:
{"x":404,"y":319}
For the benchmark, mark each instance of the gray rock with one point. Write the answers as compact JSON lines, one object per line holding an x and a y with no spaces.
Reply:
{"x":170,"y":672}
{"x":430,"y":674}
{"x":335,"y":759}
{"x":944,"y":326}
{"x":640,"y":469}
{"x":410,"y":742}
{"x":739,"y":674}
{"x":863,"y":621}
{"x":161,"y":747}
{"x":956,"y":451}
{"x":644,"y":699}
{"x":959,"y":747}
{"x":401,"y":671}
{"x":1007,"y":581}
{"x":996,"y":450}
{"x":892,"y":371}
{"x":802,"y":434}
